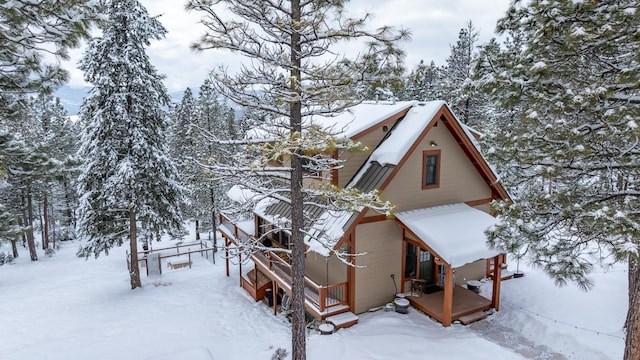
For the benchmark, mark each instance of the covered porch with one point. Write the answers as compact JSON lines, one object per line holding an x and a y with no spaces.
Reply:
{"x":464,"y":302}
{"x":447,"y":241}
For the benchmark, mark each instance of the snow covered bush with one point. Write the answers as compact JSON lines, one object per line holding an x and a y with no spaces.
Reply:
{"x":82,"y":252}
{"x":280,"y":354}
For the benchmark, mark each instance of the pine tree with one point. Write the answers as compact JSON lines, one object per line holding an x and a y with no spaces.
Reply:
{"x":459,"y":88}
{"x":128,"y":181}
{"x":290,"y":78}
{"x":574,"y":151}
{"x":25,"y":167}
{"x":53,"y":27}
{"x":11,"y":150}
{"x":56,"y":132}
{"x":379,"y":75}
{"x":424,"y":83}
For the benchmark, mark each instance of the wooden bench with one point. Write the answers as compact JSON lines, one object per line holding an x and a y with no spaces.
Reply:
{"x":179,"y":263}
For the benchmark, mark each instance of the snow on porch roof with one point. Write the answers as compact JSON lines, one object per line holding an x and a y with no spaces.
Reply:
{"x":455,"y":232}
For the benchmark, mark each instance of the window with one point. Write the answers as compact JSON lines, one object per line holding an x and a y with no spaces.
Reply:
{"x":431,"y":169}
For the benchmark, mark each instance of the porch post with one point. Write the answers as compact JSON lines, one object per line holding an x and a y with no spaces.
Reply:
{"x":497,"y":280}
{"x":447,"y":306}
{"x":240,"y":266}
{"x":275,"y":297}
{"x":226,"y":253}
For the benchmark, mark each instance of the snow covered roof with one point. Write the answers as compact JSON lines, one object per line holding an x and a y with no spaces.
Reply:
{"x":241,"y":194}
{"x":454,"y":232}
{"x":405,"y":133}
{"x":348,"y":123}
{"x":327,"y":229}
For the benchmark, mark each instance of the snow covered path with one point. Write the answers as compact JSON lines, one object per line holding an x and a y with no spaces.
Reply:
{"x":64,"y":307}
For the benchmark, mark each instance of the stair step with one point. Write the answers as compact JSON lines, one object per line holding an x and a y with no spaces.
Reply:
{"x":476,"y":316}
{"x":343,"y":320}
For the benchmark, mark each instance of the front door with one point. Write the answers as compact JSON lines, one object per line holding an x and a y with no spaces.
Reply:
{"x":418,"y":264}
{"x":426,"y":266}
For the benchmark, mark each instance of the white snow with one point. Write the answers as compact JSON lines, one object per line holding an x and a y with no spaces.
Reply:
{"x":455,"y":232}
{"x":241,"y":194}
{"x":406,"y":133}
{"x":64,"y":307}
{"x":348,"y":123}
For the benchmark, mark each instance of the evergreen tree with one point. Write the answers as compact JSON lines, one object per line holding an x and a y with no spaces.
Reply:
{"x":57,"y":134}
{"x":575,"y":152}
{"x":128,"y":181}
{"x":11,"y":150}
{"x":379,"y":75}
{"x":30,"y":30}
{"x":289,"y":77}
{"x":424,"y":83}
{"x":460,"y":90}
{"x":25,"y":167}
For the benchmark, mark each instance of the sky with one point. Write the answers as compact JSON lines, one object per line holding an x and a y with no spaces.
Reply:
{"x":434,"y":25}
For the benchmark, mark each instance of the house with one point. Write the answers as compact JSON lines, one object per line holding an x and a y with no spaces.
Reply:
{"x":428,"y":164}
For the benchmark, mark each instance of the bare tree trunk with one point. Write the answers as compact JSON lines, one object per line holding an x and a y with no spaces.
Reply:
{"x":298,"y":321}
{"x":45,"y":223}
{"x":14,"y":248}
{"x":134,"y":269}
{"x":54,"y":229}
{"x":30,"y":240}
{"x":632,"y":323}
{"x":67,"y":199}
{"x":197,"y":229}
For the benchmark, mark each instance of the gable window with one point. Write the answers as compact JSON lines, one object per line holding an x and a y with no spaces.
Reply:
{"x":430,"y":169}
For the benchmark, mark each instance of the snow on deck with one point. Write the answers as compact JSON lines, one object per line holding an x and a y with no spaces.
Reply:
{"x":455,"y":232}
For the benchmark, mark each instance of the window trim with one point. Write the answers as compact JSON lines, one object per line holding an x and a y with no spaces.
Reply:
{"x":426,"y":154}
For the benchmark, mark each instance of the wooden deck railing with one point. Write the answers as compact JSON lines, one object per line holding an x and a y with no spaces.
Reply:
{"x":321,"y":296}
{"x":167,"y":252}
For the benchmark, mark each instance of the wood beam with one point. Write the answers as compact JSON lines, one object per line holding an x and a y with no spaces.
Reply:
{"x":375,"y":218}
{"x":497,"y":281}
{"x":226,"y":252}
{"x":275,"y":297}
{"x":447,"y":306}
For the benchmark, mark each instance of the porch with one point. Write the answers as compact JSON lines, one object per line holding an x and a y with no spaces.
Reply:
{"x":273,"y":271}
{"x":465,"y":302}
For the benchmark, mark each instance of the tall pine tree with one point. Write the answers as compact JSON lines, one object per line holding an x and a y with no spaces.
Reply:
{"x":574,"y":153}
{"x":288,"y":43}
{"x":128,"y":183}
{"x":29,"y":30}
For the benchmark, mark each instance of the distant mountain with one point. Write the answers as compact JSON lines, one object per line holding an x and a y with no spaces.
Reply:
{"x":71,"y":97}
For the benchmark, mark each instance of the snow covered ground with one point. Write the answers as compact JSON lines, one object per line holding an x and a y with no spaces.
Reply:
{"x":64,"y":307}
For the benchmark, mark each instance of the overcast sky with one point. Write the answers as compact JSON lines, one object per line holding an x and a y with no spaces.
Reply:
{"x":434,"y":25}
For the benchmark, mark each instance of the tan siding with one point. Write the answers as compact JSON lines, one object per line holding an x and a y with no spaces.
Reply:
{"x":316,"y":269}
{"x":354,"y":160}
{"x":472,"y":271}
{"x":459,"y":180}
{"x":383,"y":243}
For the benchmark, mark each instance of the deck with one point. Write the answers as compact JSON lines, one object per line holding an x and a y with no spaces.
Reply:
{"x":465,"y":302}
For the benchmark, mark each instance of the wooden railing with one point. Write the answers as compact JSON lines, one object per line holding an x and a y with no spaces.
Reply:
{"x":321,"y":296}
{"x":143,"y":256}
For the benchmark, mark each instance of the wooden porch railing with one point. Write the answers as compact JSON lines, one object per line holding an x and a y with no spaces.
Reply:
{"x":321,"y":296}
